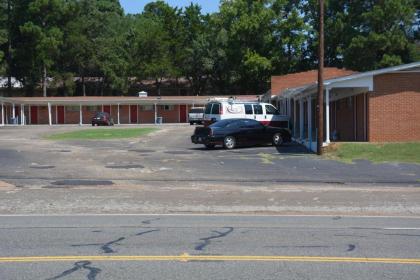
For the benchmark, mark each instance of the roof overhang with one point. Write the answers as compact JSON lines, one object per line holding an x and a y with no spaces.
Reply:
{"x":100,"y":101}
{"x":357,"y":83}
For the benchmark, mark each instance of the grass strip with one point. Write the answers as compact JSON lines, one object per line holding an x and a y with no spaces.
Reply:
{"x":101,"y":134}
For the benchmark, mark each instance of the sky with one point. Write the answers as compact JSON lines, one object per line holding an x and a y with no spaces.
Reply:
{"x":136,"y":6}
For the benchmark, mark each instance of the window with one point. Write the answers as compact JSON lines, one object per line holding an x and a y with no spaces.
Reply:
{"x":223,"y":123}
{"x":271,"y":110}
{"x":147,"y":108}
{"x":251,"y":124}
{"x":168,"y":107}
{"x":197,"y":110}
{"x":258,"y":110}
{"x":215,"y":109}
{"x":248,"y":110}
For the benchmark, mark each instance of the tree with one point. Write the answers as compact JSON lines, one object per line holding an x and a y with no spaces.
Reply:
{"x":249,"y":28}
{"x":196,"y":63}
{"x":3,"y":34}
{"x":363,"y":35}
{"x":43,"y":35}
{"x":383,"y":38}
{"x":151,"y":50}
{"x":95,"y":44}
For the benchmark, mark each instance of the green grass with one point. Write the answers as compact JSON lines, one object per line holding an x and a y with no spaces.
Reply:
{"x":390,"y":152}
{"x":101,"y":133}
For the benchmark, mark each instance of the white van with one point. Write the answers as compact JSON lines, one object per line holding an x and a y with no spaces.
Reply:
{"x":265,"y":113}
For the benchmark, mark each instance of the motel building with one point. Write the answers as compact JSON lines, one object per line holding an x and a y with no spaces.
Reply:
{"x":375,"y":106}
{"x":80,"y":110}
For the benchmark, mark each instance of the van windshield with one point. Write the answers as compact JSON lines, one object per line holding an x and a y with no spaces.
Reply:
{"x":208,"y":109}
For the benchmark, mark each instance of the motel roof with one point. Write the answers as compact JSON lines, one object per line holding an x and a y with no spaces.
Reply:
{"x":362,"y":81}
{"x":281,"y":83}
{"x":121,"y":100}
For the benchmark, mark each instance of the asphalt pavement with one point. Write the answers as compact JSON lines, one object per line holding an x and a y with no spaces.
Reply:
{"x":208,"y":247}
{"x":169,"y":156}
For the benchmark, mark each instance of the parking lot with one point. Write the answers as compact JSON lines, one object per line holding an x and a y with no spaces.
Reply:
{"x":164,"y":172}
{"x":169,"y":155}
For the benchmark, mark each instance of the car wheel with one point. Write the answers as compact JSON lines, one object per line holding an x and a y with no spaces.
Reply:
{"x":209,"y":146}
{"x":277,"y":139}
{"x":229,"y":142}
{"x":191,"y":123}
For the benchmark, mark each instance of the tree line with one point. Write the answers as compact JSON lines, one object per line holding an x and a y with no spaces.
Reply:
{"x":43,"y":42}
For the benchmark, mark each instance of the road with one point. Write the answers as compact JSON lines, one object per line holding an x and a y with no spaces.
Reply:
{"x":208,"y":247}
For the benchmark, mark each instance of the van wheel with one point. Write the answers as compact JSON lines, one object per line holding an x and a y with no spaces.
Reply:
{"x":277,"y":139}
{"x":229,"y":142}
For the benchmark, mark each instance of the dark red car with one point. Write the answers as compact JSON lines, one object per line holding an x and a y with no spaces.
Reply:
{"x":102,"y":118}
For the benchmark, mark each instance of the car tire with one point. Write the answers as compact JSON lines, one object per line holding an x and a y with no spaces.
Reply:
{"x":210,"y":146}
{"x":229,"y":142}
{"x":191,"y":123}
{"x":277,"y":139}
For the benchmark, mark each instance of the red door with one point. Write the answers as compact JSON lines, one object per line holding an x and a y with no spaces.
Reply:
{"x":34,"y":114}
{"x":133,"y":113}
{"x":107,"y":109}
{"x":60,"y":114}
{"x":182,"y":113}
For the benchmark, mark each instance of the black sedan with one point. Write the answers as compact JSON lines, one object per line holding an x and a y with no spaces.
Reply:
{"x":234,"y":132}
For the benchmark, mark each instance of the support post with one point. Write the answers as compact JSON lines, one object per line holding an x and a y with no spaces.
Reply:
{"x":13,"y":111}
{"x":2,"y":114}
{"x":49,"y":114}
{"x":327,"y":115}
{"x":294,"y":118}
{"x":301,"y":123}
{"x":80,"y":116}
{"x":22,"y":114}
{"x":118,"y":115}
{"x":320,"y":108}
{"x":310,"y":122}
{"x":155,"y":113}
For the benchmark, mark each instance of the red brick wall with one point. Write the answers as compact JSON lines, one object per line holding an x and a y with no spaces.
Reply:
{"x":394,"y":113}
{"x":360,"y":117}
{"x":124,"y":114}
{"x":147,"y":116}
{"x":43,"y":115}
{"x":71,"y":117}
{"x":171,"y":116}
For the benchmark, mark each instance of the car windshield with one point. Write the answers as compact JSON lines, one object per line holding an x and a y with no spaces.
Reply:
{"x":101,"y":114}
{"x":222,"y":124}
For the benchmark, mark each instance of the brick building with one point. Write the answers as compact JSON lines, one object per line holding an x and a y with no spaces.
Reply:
{"x":375,"y":106}
{"x":80,"y":110}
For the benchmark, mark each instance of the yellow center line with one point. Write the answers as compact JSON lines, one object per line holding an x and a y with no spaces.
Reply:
{"x":185,"y":258}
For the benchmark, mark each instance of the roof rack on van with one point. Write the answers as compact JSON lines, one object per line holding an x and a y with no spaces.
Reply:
{"x":232,"y":99}
{"x":221,"y":98}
